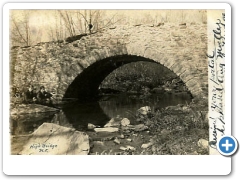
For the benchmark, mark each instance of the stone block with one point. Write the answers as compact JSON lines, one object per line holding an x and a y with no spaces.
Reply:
{"x":52,"y":139}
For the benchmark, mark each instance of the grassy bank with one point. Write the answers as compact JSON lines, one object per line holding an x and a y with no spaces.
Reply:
{"x":174,"y":130}
{"x":142,"y":76}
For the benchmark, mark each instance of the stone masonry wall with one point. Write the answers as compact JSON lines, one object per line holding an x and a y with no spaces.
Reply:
{"x":181,"y":48}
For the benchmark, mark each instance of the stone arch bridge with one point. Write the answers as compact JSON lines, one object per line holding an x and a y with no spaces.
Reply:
{"x":76,"y":67}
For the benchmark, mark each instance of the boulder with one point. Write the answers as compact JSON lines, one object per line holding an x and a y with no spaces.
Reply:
{"x":158,"y":90}
{"x":91,"y":126}
{"x":167,"y":89}
{"x":140,"y":127}
{"x":203,"y":143}
{"x":144,"y":110}
{"x":186,"y":109}
{"x":125,"y":122}
{"x":116,"y":140}
{"x":109,"y":129}
{"x":53,"y":139}
{"x":123,"y":148}
{"x":193,"y":153}
{"x":99,"y":143}
{"x":121,"y":136}
{"x":137,"y":128}
{"x":179,"y":107}
{"x":131,"y":148}
{"x":114,"y":122}
{"x":129,"y":127}
{"x":144,"y":146}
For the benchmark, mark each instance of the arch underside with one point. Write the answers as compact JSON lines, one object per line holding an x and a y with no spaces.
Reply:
{"x":85,"y":85}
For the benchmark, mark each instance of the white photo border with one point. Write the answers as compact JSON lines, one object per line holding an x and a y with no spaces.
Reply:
{"x":112,"y":165}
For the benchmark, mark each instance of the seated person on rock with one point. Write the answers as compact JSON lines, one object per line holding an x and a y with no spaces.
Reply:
{"x":44,"y":97}
{"x":17,"y":93}
{"x":30,"y":95}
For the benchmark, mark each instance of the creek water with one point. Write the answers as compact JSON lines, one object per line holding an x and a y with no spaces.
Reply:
{"x":78,"y":115}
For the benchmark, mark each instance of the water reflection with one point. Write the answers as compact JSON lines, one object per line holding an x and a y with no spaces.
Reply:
{"x":78,"y":115}
{"x":123,"y":105}
{"x":126,"y":105}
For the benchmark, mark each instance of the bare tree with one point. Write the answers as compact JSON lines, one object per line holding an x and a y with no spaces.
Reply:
{"x":68,"y":21}
{"x":20,"y":31}
{"x":85,"y":21}
{"x":56,"y":32}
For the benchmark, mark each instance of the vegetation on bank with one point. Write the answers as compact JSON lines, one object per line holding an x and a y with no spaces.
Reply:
{"x":143,"y":77}
{"x":177,"y":130}
{"x":174,"y":130}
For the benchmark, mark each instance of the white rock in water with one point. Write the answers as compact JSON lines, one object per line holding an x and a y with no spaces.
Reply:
{"x":91,"y":126}
{"x":186,"y":109}
{"x":144,"y":146}
{"x":203,"y":143}
{"x":121,"y":136}
{"x":116,"y":141}
{"x":123,"y":148}
{"x":167,"y":89}
{"x":99,"y":143}
{"x":114,"y":122}
{"x":131,"y":148}
{"x":109,"y":129}
{"x":130,"y":140}
{"x":144,"y":110}
{"x":125,"y":122}
{"x":127,"y":148}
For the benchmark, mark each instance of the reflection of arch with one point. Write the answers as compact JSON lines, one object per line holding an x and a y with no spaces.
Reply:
{"x":79,"y":115}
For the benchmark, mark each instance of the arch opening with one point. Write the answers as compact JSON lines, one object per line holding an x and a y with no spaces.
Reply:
{"x":86,"y":85}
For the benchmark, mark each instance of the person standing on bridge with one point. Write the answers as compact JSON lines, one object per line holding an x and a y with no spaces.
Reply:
{"x":90,"y":27}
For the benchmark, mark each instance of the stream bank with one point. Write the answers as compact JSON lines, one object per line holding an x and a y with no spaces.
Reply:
{"x":174,"y":130}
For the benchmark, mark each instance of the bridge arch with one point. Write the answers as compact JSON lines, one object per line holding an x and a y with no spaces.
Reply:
{"x":86,"y":84}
